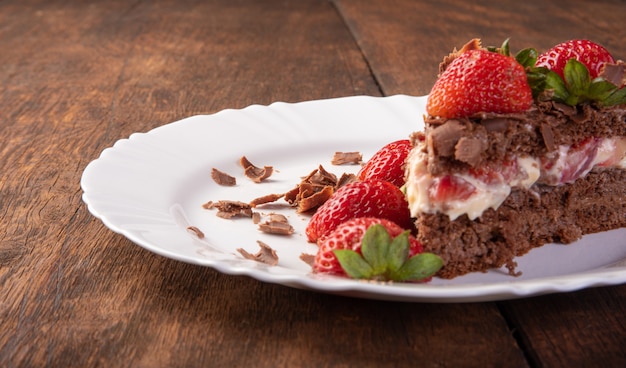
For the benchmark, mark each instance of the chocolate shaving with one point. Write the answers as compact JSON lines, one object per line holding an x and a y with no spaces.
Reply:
{"x":256,"y":174}
{"x":230,"y":209}
{"x":222,"y":178}
{"x":315,"y":189}
{"x":548,"y":137}
{"x":308,"y":258}
{"x":445,"y":137}
{"x":315,"y":200}
{"x":265,"y":254}
{"x":277,"y":224}
{"x":495,"y":125}
{"x":195,"y":231}
{"x":614,"y":73}
{"x":269,"y":198}
{"x":345,"y":179}
{"x":321,"y":177}
{"x":343,"y":158}
{"x":276,"y":227}
{"x":469,"y":150}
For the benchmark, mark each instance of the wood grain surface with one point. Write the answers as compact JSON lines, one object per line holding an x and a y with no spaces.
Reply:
{"x":77,"y":76}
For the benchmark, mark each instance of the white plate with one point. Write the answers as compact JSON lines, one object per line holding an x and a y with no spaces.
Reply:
{"x":151,"y":186}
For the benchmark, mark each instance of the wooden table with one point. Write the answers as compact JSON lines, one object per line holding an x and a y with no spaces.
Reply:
{"x":77,"y":76}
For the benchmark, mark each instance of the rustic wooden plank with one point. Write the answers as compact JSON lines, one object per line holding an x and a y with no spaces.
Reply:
{"x":585,"y":328}
{"x":404,"y":43}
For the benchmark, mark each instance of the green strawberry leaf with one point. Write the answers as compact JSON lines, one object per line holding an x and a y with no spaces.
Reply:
{"x":374,"y":247}
{"x":504,"y":49}
{"x":536,"y":79}
{"x":398,"y":252}
{"x":354,"y":265}
{"x":557,"y":85}
{"x":600,"y":89}
{"x":419,"y":267}
{"x":527,"y":57}
{"x":618,"y":97}
{"x":577,"y":80}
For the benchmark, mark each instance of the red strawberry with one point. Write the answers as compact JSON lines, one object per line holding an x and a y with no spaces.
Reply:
{"x":375,"y":249}
{"x":590,"y":54}
{"x":371,"y":198}
{"x":388,"y":163}
{"x":480,"y":81}
{"x":348,"y":235}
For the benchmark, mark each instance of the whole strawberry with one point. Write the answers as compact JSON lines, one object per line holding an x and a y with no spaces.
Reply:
{"x":373,"y":248}
{"x":480,"y":81}
{"x":589,"y":53}
{"x":388,"y":163}
{"x":370,"y":198}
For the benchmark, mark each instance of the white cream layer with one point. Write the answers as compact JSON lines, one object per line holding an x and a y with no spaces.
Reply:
{"x":491,"y":195}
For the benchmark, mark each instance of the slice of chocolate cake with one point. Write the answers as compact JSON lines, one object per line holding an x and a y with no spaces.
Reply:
{"x":518,"y":152}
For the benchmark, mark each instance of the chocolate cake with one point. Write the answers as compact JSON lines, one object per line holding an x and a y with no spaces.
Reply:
{"x":490,"y":185}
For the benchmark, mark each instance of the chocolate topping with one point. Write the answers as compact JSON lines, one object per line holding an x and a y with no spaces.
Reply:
{"x":445,"y":137}
{"x":614,"y":73}
{"x":469,"y":150}
{"x":491,"y":137}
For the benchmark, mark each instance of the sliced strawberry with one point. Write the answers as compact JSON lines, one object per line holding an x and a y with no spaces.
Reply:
{"x":450,"y":188}
{"x":371,"y":198}
{"x":388,"y":163}
{"x":579,"y":160}
{"x":480,"y":81}
{"x":589,"y":53}
{"x":566,"y":166}
{"x":493,"y":174}
{"x":614,"y":151}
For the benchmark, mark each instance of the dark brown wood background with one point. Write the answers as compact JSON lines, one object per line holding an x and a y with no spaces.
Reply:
{"x":77,"y":76}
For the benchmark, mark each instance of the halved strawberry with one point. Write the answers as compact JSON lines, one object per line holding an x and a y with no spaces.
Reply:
{"x":388,"y":163}
{"x":370,"y":198}
{"x":480,"y":81}
{"x":374,"y":248}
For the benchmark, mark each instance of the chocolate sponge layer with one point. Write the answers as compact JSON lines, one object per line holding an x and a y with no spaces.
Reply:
{"x":527,"y":219}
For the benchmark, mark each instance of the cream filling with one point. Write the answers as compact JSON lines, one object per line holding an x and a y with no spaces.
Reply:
{"x":491,"y":195}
